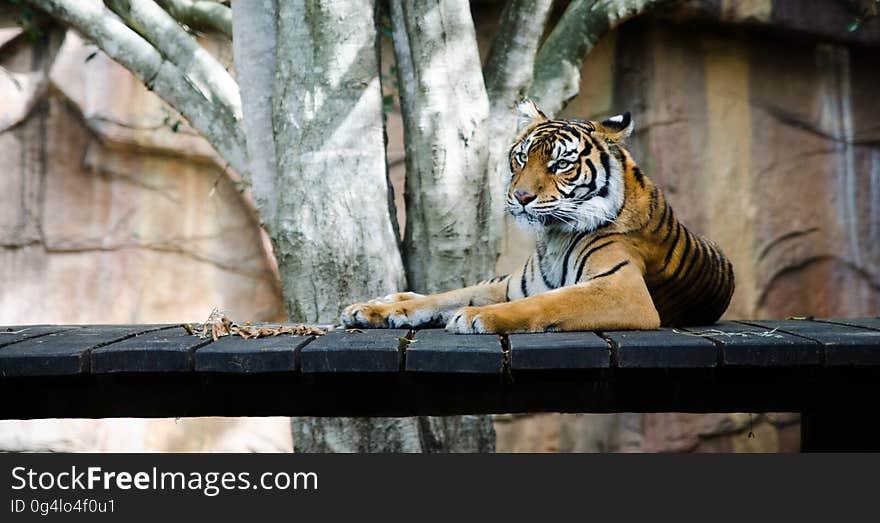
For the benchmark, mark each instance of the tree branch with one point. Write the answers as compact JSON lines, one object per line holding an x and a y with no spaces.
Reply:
{"x":178,"y":46}
{"x":201,"y":14}
{"x":558,"y":64}
{"x":508,"y":75}
{"x":510,"y":64}
{"x":168,"y":80}
{"x":253,"y":47}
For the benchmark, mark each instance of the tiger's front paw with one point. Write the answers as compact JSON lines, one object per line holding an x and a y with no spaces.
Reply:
{"x":394,"y":315}
{"x":369,"y":315}
{"x":473,"y":320}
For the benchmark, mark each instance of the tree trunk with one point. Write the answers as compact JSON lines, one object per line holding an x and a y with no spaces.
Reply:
{"x":432,"y":435}
{"x":333,"y":237}
{"x":445,"y":111}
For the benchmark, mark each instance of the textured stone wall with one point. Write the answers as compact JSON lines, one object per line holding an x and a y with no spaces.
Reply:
{"x":111,"y":213}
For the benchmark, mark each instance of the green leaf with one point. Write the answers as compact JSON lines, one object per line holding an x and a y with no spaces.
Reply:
{"x":91,"y":55}
{"x":176,"y":126}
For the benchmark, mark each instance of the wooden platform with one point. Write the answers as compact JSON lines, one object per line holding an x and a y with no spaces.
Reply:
{"x":160,"y":370}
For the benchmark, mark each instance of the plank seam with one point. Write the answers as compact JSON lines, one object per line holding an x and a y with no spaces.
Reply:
{"x":60,"y":329}
{"x":86,"y":355}
{"x":402,"y":346}
{"x":191,"y":353}
{"x":506,"y":371}
{"x":817,"y":342}
{"x":613,"y":349}
{"x":297,"y":353}
{"x":719,"y":346}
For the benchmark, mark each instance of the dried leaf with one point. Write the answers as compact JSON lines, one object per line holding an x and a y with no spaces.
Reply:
{"x":218,"y":325}
{"x":352,"y":331}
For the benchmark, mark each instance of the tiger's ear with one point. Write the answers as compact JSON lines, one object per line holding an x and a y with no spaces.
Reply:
{"x":527,"y":113}
{"x":617,"y":128}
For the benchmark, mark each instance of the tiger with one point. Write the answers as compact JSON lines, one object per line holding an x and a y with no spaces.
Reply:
{"x":610,"y":252}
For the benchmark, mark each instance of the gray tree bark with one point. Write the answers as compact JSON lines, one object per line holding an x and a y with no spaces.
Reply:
{"x":445,"y":110}
{"x":428,"y":435}
{"x":253,"y":47}
{"x":333,"y":237}
{"x":201,"y":14}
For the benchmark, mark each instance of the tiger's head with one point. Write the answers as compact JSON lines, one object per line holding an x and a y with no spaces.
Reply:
{"x":567,"y":172}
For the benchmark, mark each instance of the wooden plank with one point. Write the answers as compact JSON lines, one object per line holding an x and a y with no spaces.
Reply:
{"x":662,"y":348}
{"x":562,"y":350}
{"x":761,"y":347}
{"x":65,"y":352}
{"x":18,"y":333}
{"x":435,"y":350}
{"x":234,"y":354}
{"x":166,"y":350}
{"x":373,"y":350}
{"x":843,"y":345}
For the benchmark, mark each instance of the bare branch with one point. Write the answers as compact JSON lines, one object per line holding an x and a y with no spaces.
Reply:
{"x":168,"y":80}
{"x":201,"y":14}
{"x":178,"y":46}
{"x":558,"y":64}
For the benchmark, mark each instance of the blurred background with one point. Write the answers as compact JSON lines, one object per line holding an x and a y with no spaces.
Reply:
{"x":759,"y":119}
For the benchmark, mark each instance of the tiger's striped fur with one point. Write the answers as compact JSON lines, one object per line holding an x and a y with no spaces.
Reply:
{"x":610,"y":251}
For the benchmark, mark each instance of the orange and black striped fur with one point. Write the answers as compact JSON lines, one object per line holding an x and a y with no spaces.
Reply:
{"x":610,"y":253}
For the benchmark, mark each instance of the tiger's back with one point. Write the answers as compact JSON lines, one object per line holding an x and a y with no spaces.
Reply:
{"x":689,"y":278}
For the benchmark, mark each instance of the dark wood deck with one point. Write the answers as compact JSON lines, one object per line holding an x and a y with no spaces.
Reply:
{"x":810,"y":366}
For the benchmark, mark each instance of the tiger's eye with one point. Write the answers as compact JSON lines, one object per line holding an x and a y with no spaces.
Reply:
{"x":562,"y":164}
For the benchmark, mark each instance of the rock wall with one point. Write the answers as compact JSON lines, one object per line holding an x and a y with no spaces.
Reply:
{"x":113,"y":212}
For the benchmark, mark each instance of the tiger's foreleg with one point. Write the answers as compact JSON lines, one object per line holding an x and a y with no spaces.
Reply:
{"x":414,"y":310}
{"x":619,"y":301}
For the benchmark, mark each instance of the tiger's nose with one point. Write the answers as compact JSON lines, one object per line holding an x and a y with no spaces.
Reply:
{"x":523,"y":197}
